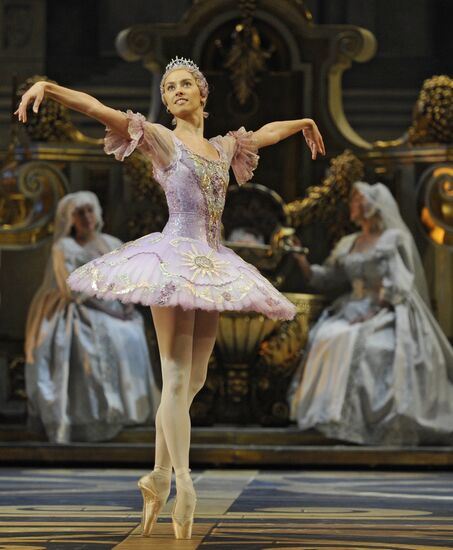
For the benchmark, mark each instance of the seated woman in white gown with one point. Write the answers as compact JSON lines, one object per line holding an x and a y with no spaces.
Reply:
{"x":378,"y":368}
{"x":83,"y":355}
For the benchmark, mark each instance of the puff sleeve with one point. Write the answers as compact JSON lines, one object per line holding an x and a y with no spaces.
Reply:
{"x":153,"y":140}
{"x":331,"y":276}
{"x":241,"y":149}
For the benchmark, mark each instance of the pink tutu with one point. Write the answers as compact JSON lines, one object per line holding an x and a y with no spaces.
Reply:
{"x":185,"y":265}
{"x":178,"y":271}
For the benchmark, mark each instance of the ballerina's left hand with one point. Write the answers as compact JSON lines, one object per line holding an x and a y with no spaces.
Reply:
{"x":314,"y":139}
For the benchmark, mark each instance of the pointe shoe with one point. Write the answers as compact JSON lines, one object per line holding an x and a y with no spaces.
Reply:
{"x":182,"y":524}
{"x":155,"y":489}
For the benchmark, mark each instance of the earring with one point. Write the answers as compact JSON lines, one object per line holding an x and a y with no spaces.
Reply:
{"x":167,"y":109}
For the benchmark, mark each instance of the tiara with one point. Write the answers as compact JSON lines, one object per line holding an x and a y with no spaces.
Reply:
{"x":181,"y":62}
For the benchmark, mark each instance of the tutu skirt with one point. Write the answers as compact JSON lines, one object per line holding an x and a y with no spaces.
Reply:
{"x":162,"y":269}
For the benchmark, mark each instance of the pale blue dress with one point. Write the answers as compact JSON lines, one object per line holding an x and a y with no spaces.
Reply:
{"x":88,"y":373}
{"x":378,"y":369}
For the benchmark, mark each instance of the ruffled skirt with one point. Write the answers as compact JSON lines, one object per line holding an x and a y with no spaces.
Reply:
{"x":162,"y":269}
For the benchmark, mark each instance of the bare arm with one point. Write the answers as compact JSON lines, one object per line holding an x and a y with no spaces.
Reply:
{"x":276,"y":131}
{"x":77,"y":101}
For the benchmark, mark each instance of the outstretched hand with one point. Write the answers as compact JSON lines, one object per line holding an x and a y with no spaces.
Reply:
{"x":313,"y":139}
{"x":35,"y":95}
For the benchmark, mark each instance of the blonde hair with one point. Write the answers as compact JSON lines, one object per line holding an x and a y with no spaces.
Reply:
{"x":189,"y":66}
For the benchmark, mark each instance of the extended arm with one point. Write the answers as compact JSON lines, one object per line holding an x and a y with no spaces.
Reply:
{"x":77,"y":101}
{"x":330,"y":275}
{"x":276,"y":131}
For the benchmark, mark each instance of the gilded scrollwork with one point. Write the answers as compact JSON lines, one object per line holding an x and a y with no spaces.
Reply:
{"x":435,"y":203}
{"x":28,"y":196}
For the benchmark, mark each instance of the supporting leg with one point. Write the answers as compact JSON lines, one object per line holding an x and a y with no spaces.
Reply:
{"x":175,"y":329}
{"x":204,"y":335}
{"x":205,"y":331}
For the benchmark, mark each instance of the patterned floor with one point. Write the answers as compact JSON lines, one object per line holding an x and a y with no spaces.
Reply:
{"x":238,"y":509}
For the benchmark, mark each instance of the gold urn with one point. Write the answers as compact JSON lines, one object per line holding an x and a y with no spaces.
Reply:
{"x":256,"y":358}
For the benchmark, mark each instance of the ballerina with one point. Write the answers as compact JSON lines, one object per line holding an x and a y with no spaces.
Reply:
{"x":183,"y":273}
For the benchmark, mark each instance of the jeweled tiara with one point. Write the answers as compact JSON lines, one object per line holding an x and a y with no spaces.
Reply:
{"x":181,"y":62}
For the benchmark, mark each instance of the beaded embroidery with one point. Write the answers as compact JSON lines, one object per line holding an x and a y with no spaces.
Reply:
{"x":212,"y":178}
{"x":212,"y":293}
{"x":166,"y":292}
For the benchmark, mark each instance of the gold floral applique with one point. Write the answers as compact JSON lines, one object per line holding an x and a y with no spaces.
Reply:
{"x":203,"y":264}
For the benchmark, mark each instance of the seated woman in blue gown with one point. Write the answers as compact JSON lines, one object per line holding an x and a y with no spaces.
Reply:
{"x":378,"y":368}
{"x":84,"y":355}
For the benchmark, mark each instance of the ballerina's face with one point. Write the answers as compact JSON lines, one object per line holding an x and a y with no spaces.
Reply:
{"x":181,"y":93}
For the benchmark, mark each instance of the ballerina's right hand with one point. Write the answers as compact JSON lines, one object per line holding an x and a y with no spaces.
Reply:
{"x":34,"y":94}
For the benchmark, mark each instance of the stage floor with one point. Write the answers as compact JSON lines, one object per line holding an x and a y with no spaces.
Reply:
{"x":85,"y":509}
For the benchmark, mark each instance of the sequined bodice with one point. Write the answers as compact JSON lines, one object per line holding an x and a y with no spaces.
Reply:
{"x":195,"y":189}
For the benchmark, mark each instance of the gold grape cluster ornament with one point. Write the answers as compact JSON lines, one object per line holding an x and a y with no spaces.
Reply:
{"x":52,"y":123}
{"x":433,"y":113}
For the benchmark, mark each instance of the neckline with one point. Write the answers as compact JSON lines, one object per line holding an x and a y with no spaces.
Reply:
{"x":219,"y":159}
{"x":86,"y":243}
{"x":370,"y":249}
